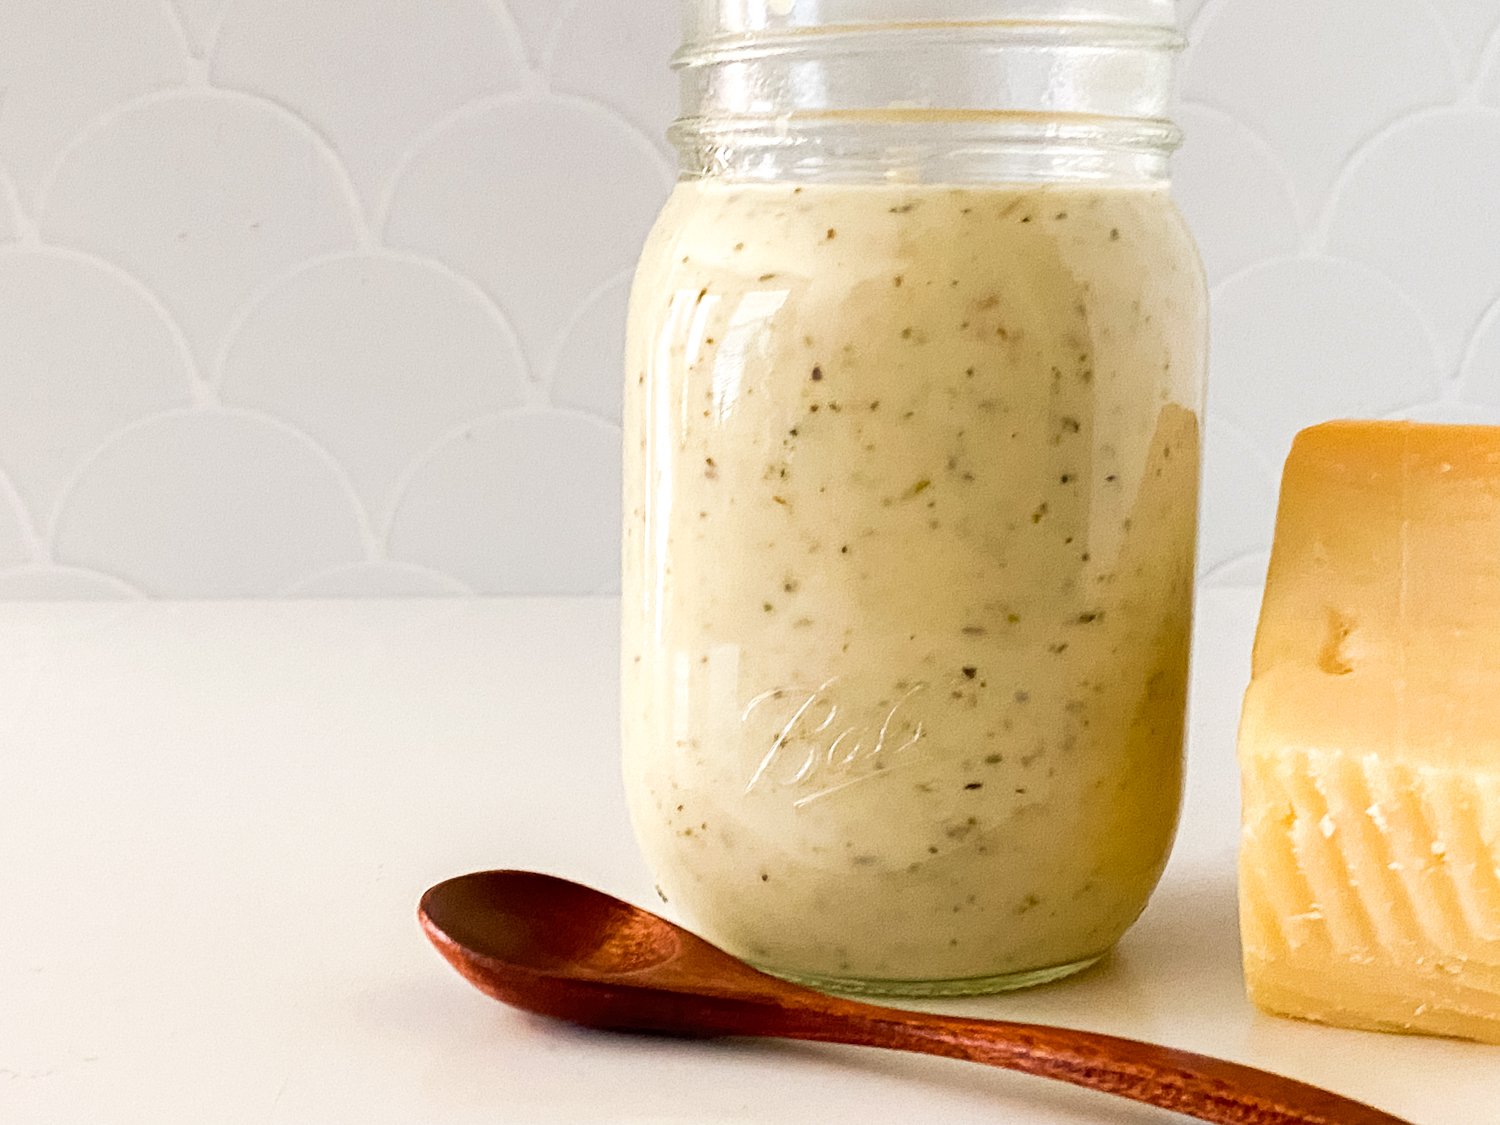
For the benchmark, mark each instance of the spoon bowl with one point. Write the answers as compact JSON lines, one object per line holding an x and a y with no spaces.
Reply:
{"x":553,"y":947}
{"x":532,"y":921}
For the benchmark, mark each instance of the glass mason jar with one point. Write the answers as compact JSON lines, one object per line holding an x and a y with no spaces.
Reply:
{"x":916,"y":363}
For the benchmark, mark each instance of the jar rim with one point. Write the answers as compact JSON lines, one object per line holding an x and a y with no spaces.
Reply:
{"x":705,"y":20}
{"x":764,"y":43}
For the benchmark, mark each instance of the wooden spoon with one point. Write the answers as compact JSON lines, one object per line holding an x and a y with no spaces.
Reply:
{"x":563,"y":950}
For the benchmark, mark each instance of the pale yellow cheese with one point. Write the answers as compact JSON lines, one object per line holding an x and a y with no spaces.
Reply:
{"x":1370,"y":740}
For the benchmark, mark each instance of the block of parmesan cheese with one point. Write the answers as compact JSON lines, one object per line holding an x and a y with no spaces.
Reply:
{"x":1370,"y":738}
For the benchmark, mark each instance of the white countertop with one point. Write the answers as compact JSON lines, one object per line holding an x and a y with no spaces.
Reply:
{"x":216,"y":819}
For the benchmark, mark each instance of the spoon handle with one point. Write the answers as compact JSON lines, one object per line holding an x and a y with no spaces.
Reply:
{"x":1205,"y":1088}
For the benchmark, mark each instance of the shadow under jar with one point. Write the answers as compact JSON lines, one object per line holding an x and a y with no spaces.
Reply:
{"x":915,"y":374}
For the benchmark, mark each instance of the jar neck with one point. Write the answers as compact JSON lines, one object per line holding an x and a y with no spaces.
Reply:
{"x":982,"y":102}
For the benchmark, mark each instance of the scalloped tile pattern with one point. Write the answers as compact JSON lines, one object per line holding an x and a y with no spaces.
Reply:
{"x":71,"y":382}
{"x":10,"y":216}
{"x":351,"y":349}
{"x":1228,"y":161}
{"x":15,"y":536}
{"x":591,"y":344}
{"x":1470,"y":25}
{"x":535,"y":19}
{"x":1187,"y":11}
{"x":324,"y":299}
{"x":137,"y":509}
{"x":1406,"y":211}
{"x":200,"y":21}
{"x":1316,"y":79}
{"x":330,"y":62}
{"x":612,"y":52}
{"x":204,"y":197}
{"x":557,"y":534}
{"x":1481,"y":369}
{"x":1305,"y":341}
{"x":495,"y":191}
{"x":1245,"y":483}
{"x":69,"y":63}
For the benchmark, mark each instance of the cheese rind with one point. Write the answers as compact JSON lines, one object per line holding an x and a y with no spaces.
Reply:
{"x":1370,"y":737}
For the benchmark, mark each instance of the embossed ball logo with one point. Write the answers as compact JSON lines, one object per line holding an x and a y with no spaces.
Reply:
{"x":821,"y":743}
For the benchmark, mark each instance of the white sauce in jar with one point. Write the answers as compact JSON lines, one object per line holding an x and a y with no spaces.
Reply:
{"x":911,"y":493}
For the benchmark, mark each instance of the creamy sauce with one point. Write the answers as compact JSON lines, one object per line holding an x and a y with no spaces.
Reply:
{"x":911,"y":492}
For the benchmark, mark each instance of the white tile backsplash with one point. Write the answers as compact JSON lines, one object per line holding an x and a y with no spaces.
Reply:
{"x":325,"y":297}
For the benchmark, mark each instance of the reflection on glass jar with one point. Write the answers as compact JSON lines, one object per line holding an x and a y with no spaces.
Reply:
{"x":912,"y":471}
